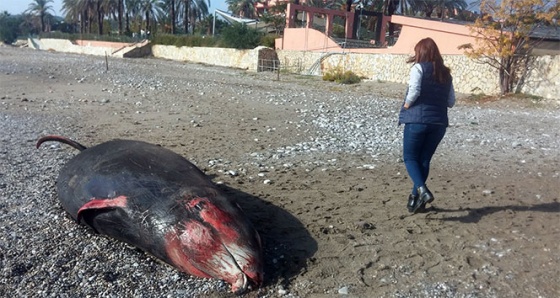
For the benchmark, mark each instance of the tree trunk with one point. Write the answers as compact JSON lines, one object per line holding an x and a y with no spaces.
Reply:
{"x":193,"y":22}
{"x":100,"y":22}
{"x":127,"y":22}
{"x":90,"y":20}
{"x":186,"y":16}
{"x":42,"y":16}
{"x":147,"y":21}
{"x":120,"y":15}
{"x":172,"y":16}
{"x":506,"y":75}
{"x":503,"y":85}
{"x":428,"y":13}
{"x":83,"y":22}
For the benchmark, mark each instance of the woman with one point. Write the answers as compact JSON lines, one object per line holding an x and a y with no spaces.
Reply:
{"x":424,"y":113}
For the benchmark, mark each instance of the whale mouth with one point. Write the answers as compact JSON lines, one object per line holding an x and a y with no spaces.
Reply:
{"x":243,"y":267}
{"x":241,"y":285}
{"x":208,"y":257}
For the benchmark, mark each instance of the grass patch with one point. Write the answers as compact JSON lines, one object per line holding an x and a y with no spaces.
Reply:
{"x":478,"y":97}
{"x":341,"y":77}
{"x":533,"y":98}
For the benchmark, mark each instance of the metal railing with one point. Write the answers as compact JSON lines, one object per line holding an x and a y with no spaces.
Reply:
{"x":288,"y":66}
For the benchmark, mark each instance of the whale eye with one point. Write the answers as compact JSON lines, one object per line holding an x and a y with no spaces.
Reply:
{"x":199,"y":206}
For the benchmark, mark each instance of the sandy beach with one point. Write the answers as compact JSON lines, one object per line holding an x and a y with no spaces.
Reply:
{"x":316,"y":166}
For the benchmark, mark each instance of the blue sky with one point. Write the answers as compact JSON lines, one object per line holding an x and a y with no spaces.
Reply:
{"x":19,"y":6}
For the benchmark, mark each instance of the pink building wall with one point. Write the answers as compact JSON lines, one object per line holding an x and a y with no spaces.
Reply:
{"x":447,"y":36}
{"x":291,"y":15}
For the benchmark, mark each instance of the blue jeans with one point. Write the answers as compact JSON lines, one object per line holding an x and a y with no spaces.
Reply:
{"x":420,"y":142}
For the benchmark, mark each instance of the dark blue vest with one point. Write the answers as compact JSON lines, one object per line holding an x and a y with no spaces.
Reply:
{"x":431,"y":106}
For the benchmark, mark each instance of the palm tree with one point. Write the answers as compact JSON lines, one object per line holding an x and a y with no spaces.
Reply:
{"x":427,"y":7}
{"x":28,"y":24}
{"x":88,"y":12}
{"x":172,"y":16}
{"x":207,"y":22}
{"x":169,"y":15}
{"x":451,"y":6}
{"x":132,"y":10}
{"x":186,"y":5}
{"x":99,"y":12}
{"x":71,"y":11}
{"x":193,"y":10}
{"x":244,"y":8}
{"x":390,"y":6}
{"x":151,"y":9}
{"x":120,"y":12}
{"x":112,"y":8}
{"x":40,"y":8}
{"x":81,"y":11}
{"x":199,"y":9}
{"x":87,"y":7}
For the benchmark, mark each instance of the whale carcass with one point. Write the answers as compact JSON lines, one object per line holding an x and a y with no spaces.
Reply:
{"x":158,"y":201}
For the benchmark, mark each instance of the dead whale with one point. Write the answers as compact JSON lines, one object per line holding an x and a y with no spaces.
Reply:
{"x":158,"y":201}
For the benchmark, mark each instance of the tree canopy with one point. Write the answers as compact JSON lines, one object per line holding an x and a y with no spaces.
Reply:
{"x":506,"y":34}
{"x":42,"y":9}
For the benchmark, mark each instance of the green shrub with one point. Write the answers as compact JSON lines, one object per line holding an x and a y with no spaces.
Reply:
{"x":202,"y":41}
{"x":329,"y":76}
{"x":240,"y":36}
{"x":184,"y":40}
{"x":338,"y":30}
{"x":165,"y":39}
{"x":269,"y":40}
{"x":341,"y":77}
{"x":9,"y":28}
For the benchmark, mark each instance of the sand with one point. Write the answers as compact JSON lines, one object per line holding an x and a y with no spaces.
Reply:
{"x":327,"y":199}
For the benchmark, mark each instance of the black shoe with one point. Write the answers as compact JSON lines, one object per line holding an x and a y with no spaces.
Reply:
{"x":411,"y":202}
{"x":424,"y":196}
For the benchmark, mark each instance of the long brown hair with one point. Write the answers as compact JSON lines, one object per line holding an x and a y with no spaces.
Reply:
{"x":426,"y":50}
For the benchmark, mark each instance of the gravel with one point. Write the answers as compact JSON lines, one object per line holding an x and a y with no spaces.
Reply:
{"x":44,"y":254}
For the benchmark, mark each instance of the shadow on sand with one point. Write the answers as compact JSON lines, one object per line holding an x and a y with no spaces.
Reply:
{"x":287,"y":244}
{"x":476,"y":214}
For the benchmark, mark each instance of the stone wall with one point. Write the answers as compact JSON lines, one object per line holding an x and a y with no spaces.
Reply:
{"x":468,"y":77}
{"x":244,"y":59}
{"x":97,"y":48}
{"x":542,"y":79}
